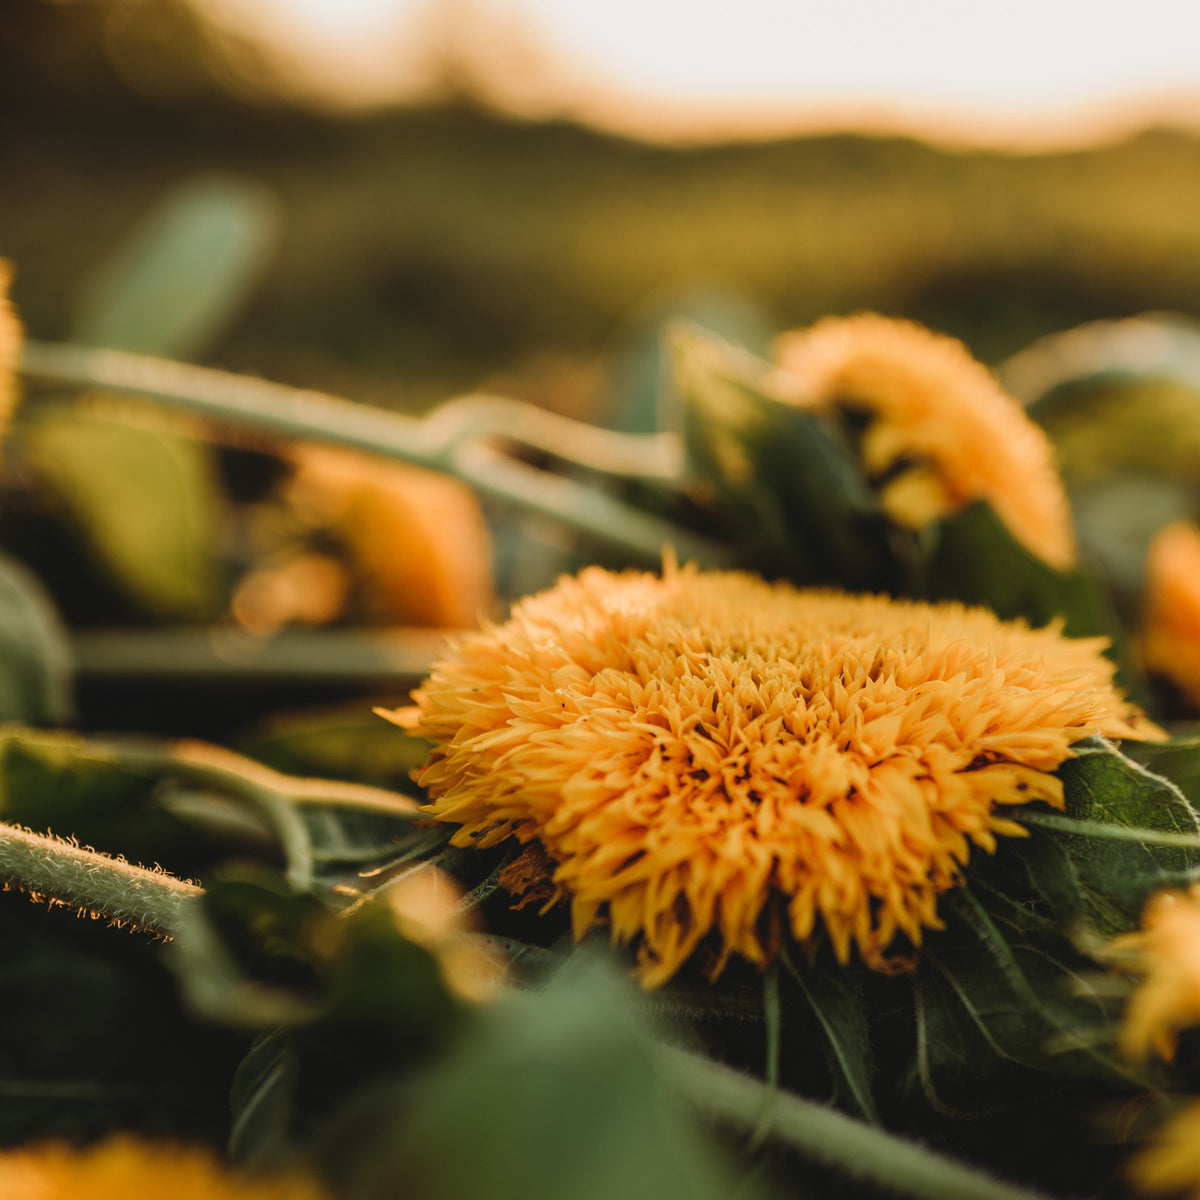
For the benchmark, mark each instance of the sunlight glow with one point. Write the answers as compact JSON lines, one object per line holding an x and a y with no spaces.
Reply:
{"x":676,"y":67}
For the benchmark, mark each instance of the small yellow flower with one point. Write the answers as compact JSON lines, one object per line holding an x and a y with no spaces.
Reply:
{"x":1171,"y":1163}
{"x":1166,"y":950}
{"x":10,"y":349}
{"x":707,"y":754}
{"x":1171,"y":617}
{"x":124,"y":1168}
{"x":941,"y":432}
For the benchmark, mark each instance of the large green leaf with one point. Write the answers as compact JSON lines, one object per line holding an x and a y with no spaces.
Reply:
{"x":783,"y":477}
{"x":1009,"y":1008}
{"x":1119,"y":807}
{"x":554,"y":1093}
{"x":35,"y":659}
{"x":974,"y":559}
{"x":834,"y":993}
{"x":184,"y":273}
{"x":147,"y":497}
{"x":147,"y":501}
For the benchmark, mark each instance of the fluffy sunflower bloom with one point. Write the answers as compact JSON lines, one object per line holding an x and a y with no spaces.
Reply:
{"x":10,"y":349}
{"x":1171,"y":617}
{"x":940,"y":430}
{"x":706,"y":753}
{"x":123,"y":1168}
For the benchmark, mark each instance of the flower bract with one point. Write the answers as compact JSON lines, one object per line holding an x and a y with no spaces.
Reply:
{"x":708,"y":758}
{"x":940,"y":432}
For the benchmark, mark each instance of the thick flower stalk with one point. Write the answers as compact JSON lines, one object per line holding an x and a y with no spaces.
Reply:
{"x":1171,"y":611}
{"x":705,"y":757}
{"x":123,"y":1168}
{"x":939,"y":431}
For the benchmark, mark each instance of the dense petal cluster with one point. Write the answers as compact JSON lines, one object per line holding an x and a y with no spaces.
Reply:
{"x":941,"y":431}
{"x":708,"y":754}
{"x":1171,"y":617}
{"x":125,"y":1169}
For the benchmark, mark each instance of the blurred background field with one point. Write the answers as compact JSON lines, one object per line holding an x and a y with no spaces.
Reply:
{"x":481,"y":211}
{"x":446,"y":244}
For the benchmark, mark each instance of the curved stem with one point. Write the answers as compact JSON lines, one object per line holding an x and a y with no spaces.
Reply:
{"x":63,"y":873}
{"x":862,"y":1151}
{"x":454,"y":445}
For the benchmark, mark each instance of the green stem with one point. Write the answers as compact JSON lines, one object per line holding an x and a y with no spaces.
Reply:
{"x":862,"y":1151}
{"x":63,"y":873}
{"x":388,"y":660}
{"x":449,"y":443}
{"x":272,"y":802}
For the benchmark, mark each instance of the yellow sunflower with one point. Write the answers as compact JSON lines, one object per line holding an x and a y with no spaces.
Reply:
{"x":941,"y":432}
{"x":706,"y":753}
{"x":10,"y":349}
{"x":1171,"y":616}
{"x":124,"y":1168}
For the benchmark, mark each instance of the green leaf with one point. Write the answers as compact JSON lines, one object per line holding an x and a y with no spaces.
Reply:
{"x":1005,"y":1012}
{"x":974,"y":559}
{"x":1177,"y":760}
{"x":146,"y":498}
{"x":784,"y":477}
{"x":1105,"y":787}
{"x":188,"y":268}
{"x":262,"y":1099}
{"x":147,"y":502}
{"x":835,"y":995}
{"x":554,"y":1093}
{"x":35,"y":658}
{"x":1006,"y":1001}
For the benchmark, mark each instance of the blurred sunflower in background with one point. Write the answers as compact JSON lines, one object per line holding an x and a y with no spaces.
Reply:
{"x":935,"y":430}
{"x":351,"y":536}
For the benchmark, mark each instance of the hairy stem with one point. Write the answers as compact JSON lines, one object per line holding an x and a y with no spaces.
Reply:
{"x":63,"y":873}
{"x":859,"y":1150}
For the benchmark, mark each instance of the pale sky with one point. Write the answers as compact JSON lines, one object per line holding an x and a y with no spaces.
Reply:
{"x":1047,"y":67}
